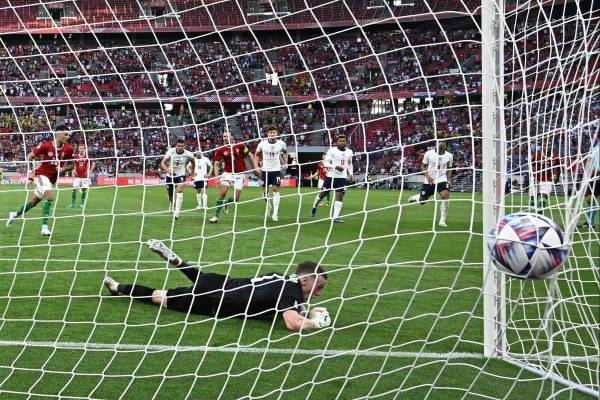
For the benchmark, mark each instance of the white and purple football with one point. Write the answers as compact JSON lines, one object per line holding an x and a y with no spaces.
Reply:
{"x":528,"y":246}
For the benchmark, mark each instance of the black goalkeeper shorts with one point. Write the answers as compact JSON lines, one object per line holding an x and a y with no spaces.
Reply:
{"x":198,"y":299}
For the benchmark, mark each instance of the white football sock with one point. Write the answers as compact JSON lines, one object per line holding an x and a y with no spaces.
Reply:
{"x":199,"y":199}
{"x":443,"y":210}
{"x":337,"y":207}
{"x":414,"y":197}
{"x":205,"y":200}
{"x":276,"y":199}
{"x":178,"y":202}
{"x":317,"y":201}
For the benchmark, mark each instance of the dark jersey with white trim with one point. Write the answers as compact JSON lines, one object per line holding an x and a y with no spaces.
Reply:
{"x":258,"y":297}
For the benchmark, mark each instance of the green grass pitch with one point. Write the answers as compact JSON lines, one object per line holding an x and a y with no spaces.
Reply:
{"x":397,"y":285}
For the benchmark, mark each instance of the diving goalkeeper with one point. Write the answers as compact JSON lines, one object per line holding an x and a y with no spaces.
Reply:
{"x":222,"y":296}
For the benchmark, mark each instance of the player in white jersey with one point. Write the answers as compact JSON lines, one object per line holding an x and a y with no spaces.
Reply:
{"x":338,"y":162}
{"x":272,"y":151}
{"x":437,"y":175}
{"x":201,"y":174}
{"x":174,"y":164}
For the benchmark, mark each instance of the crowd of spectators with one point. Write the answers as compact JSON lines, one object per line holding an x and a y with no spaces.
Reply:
{"x":416,"y":59}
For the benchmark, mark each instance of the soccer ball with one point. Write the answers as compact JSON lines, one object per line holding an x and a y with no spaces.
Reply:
{"x":528,"y":246}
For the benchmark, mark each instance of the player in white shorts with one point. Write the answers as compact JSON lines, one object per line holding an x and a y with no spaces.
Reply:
{"x":174,"y":164}
{"x":272,"y":150}
{"x":201,"y":173}
{"x":83,"y":167}
{"x":436,"y":170}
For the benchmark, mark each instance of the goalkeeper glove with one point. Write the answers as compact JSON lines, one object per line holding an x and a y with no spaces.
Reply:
{"x":320,"y":317}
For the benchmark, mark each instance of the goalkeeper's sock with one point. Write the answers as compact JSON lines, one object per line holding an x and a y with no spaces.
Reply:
{"x":204,"y":200}
{"x":25,"y":208}
{"x":46,"y":211}
{"x":591,"y":214}
{"x":74,"y":196}
{"x":199,"y":199}
{"x":178,"y":203}
{"x":83,"y":195}
{"x":337,"y":207}
{"x":219,"y":206}
{"x":443,"y":211}
{"x":139,"y":292}
{"x":276,"y":200}
{"x":317,"y":201}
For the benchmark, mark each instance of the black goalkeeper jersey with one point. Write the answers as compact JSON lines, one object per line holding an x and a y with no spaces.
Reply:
{"x":259,"y":297}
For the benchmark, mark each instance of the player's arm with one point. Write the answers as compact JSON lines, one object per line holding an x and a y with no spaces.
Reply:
{"x":286,"y":157}
{"x":210,"y":169}
{"x":216,"y":167}
{"x":350,"y":168}
{"x":424,"y":171}
{"x":449,"y":171}
{"x":192,"y":165}
{"x":253,"y":160}
{"x":296,"y":322}
{"x":30,"y":167}
{"x":163,"y":163}
{"x":69,"y":165}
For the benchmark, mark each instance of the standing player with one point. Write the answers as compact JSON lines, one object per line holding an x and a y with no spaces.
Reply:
{"x":592,"y":194}
{"x":221,"y":296}
{"x":436,"y":170}
{"x":174,"y":163}
{"x":231,"y":159}
{"x":82,"y":180}
{"x":545,"y":167}
{"x":201,"y":173}
{"x":338,"y":162}
{"x":272,"y":149}
{"x":321,"y":173}
{"x":52,"y":152}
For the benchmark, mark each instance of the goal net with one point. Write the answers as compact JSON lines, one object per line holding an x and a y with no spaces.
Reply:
{"x":418,"y":310}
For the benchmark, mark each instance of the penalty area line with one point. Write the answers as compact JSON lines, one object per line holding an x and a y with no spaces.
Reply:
{"x":236,"y":349}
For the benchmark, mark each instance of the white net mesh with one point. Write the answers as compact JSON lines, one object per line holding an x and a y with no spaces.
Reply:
{"x":405,"y":293}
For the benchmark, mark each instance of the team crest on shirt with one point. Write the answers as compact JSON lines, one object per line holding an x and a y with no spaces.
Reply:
{"x":237,"y":151}
{"x":50,"y":153}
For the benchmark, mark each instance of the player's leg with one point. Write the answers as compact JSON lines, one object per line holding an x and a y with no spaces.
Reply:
{"x":33,"y":201}
{"x":445,"y":195}
{"x":85,"y":185}
{"x":223,"y":189}
{"x":265,"y":190}
{"x":337,"y":204}
{"x":427,"y":190}
{"x":139,"y":292}
{"x":198,"y":185}
{"x":276,"y":199}
{"x":76,"y":185}
{"x":170,"y":186}
{"x":327,"y":185}
{"x":178,"y":199}
{"x":204,"y":195}
{"x":46,"y":208}
{"x":545,"y":189}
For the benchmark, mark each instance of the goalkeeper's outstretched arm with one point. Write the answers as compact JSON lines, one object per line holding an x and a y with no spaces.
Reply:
{"x":296,"y":322}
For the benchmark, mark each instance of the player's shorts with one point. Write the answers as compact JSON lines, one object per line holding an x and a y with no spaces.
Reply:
{"x":172,"y":181}
{"x":235,"y":180}
{"x":200,"y":184}
{"x":42,"y":185}
{"x":320,"y":183}
{"x":428,"y":189}
{"x":544,"y":188}
{"x":271,"y":178}
{"x":338,"y":184}
{"x":83,"y":183}
{"x":198,"y":299}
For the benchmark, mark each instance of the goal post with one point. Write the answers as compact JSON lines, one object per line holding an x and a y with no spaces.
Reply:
{"x":493,"y":161}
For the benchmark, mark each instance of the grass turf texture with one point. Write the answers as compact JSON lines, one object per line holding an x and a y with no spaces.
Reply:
{"x":396,"y":282}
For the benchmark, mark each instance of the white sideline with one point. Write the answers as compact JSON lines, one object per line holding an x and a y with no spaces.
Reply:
{"x":237,"y":349}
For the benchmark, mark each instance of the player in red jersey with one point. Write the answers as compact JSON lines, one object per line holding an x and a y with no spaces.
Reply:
{"x":231,"y":159}
{"x":51,"y":152}
{"x":83,"y":167}
{"x":322,"y":174}
{"x":545,"y":166}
